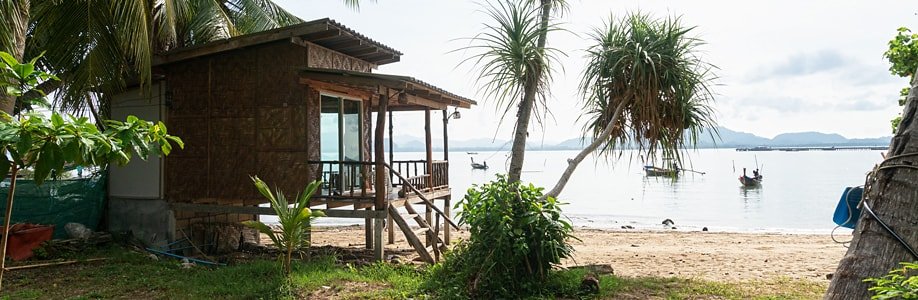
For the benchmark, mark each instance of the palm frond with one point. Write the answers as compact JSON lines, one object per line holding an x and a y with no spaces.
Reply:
{"x":650,"y":66}
{"x":508,"y":57}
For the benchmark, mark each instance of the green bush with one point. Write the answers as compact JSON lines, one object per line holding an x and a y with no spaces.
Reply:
{"x":900,"y":283}
{"x":515,"y":241}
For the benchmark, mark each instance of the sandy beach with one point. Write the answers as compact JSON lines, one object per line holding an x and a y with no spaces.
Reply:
{"x":703,"y":255}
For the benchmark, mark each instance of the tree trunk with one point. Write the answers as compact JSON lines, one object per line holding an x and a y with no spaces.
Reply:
{"x":518,"y":150}
{"x":891,"y":195}
{"x":573,"y":163}
{"x":18,"y":28}
{"x":6,"y":222}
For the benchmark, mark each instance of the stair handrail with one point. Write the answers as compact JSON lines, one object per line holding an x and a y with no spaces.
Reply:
{"x":421,"y":195}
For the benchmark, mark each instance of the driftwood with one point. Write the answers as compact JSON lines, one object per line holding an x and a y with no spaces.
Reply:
{"x":58,"y":263}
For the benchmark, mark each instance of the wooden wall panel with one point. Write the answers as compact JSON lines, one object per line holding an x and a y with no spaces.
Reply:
{"x":321,"y":57}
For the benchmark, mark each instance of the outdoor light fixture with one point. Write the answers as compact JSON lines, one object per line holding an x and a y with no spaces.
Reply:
{"x":455,"y":114}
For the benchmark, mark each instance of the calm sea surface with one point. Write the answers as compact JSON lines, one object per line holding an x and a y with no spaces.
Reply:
{"x":798,"y":194}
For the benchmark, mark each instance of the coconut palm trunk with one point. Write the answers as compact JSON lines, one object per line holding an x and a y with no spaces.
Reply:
{"x":14,"y":16}
{"x":891,"y":195}
{"x":521,"y":134}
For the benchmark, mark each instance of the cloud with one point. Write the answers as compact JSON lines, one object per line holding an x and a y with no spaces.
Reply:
{"x":777,"y":103}
{"x":861,"y":105}
{"x":802,"y":64}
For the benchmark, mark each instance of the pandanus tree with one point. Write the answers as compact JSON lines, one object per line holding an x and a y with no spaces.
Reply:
{"x":644,"y":86}
{"x":516,"y":65}
{"x":99,"y":47}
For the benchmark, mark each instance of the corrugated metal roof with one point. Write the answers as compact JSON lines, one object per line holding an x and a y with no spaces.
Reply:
{"x":407,"y":80}
{"x":323,"y":32}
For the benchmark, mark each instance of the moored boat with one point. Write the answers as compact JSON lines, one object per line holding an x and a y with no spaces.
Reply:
{"x":657,"y":171}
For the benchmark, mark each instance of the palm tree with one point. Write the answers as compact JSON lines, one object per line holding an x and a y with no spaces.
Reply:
{"x":644,"y":86}
{"x":516,"y":65}
{"x":97,"y":47}
{"x":889,"y":193}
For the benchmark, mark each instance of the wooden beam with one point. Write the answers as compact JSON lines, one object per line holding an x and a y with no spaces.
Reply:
{"x":267,"y":211}
{"x":445,"y":136}
{"x":356,"y":91}
{"x":430,"y":104}
{"x":352,"y":79}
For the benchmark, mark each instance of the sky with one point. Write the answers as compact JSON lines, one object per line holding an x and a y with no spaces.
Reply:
{"x":784,"y":66}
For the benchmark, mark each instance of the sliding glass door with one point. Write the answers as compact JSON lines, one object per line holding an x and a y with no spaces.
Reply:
{"x":341,"y":140}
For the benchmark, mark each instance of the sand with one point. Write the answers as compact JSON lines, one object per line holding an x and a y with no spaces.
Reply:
{"x":702,"y":255}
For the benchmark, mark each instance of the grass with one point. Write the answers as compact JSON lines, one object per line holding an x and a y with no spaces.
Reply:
{"x":128,"y":274}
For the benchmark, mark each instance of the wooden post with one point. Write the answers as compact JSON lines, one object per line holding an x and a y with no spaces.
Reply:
{"x":445,"y":136}
{"x":368,"y":226}
{"x":390,"y":227}
{"x":391,"y":142}
{"x":377,"y":240}
{"x":429,"y":141}
{"x":380,"y":158}
{"x":446,"y":228}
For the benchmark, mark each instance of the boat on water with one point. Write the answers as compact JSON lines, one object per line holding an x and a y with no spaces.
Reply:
{"x":753,"y":181}
{"x":479,"y":166}
{"x":653,"y":171}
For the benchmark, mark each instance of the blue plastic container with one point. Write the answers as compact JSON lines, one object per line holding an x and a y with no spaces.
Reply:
{"x":847,"y":211}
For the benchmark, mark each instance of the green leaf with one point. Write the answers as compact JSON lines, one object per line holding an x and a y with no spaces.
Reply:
{"x":4,"y":165}
{"x":8,"y":59}
{"x":57,"y":120}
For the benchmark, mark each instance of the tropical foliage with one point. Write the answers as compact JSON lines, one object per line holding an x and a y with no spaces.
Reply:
{"x":644,"y":86}
{"x":295,"y":220}
{"x":515,"y":239}
{"x":97,"y":48}
{"x":903,"y":62}
{"x":900,"y":283}
{"x":48,"y":143}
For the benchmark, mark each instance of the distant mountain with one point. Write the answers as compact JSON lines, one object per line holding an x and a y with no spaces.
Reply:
{"x":725,"y":138}
{"x":807,"y":139}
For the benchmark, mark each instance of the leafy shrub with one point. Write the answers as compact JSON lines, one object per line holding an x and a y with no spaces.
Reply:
{"x":295,"y":221}
{"x":515,"y":241}
{"x":900,"y":283}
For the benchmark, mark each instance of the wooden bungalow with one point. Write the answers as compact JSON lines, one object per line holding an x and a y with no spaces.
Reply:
{"x":290,"y":105}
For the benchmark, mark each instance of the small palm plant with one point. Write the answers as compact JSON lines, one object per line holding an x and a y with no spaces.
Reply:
{"x":295,"y":221}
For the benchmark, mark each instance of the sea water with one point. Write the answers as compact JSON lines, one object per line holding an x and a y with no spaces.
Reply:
{"x":798,"y":194}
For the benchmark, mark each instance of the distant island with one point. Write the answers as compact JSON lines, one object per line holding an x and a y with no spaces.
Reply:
{"x":727,"y":139}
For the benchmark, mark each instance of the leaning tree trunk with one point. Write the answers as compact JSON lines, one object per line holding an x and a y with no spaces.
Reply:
{"x":518,"y":150}
{"x":572,"y":164}
{"x":893,"y":196}
{"x":17,"y":26}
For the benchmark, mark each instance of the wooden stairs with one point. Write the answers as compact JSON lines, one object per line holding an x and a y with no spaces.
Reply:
{"x":432,"y":242}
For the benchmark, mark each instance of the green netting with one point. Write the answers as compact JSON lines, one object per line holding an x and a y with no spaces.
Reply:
{"x":57,"y":202}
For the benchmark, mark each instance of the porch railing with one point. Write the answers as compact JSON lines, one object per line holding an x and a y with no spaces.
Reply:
{"x":356,"y":180}
{"x":344,"y":179}
{"x":417,"y":173}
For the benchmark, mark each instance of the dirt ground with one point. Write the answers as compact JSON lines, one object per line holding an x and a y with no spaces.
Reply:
{"x":704,"y":255}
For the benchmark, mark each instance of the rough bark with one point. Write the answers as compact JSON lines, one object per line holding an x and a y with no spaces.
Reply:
{"x":893,"y":196}
{"x":18,"y":27}
{"x":518,"y":150}
{"x":574,"y":162}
